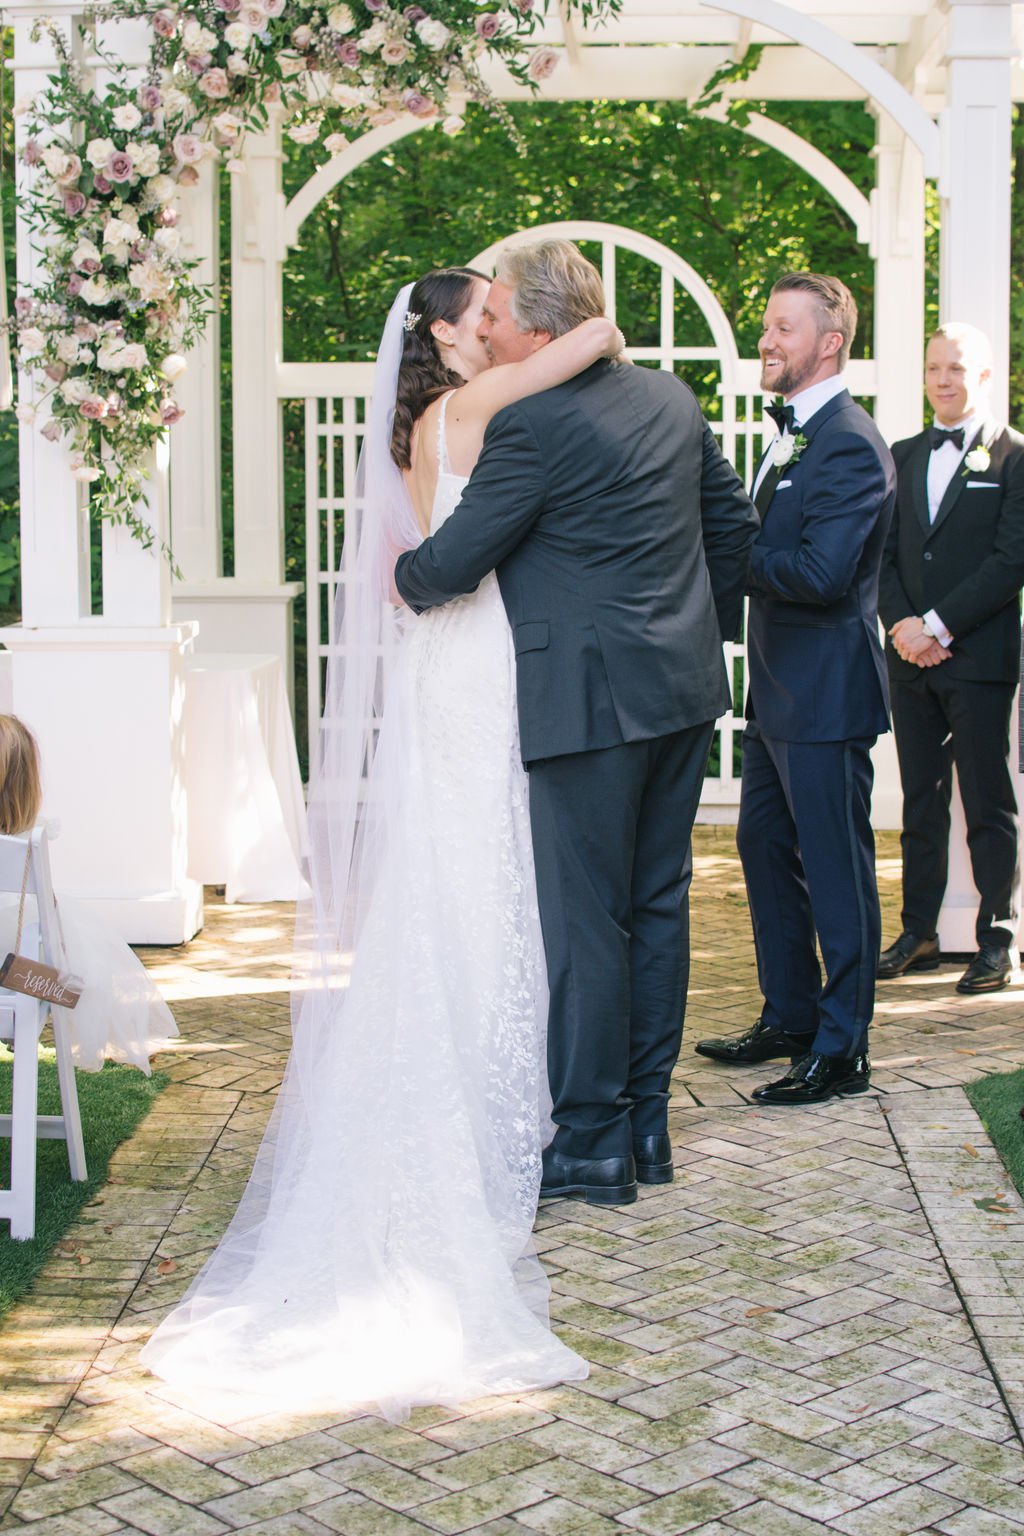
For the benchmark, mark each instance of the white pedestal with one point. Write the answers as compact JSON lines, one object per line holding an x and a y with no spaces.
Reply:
{"x":106,"y":705}
{"x":241,"y":617}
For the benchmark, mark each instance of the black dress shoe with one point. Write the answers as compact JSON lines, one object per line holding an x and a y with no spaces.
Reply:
{"x":988,"y":971}
{"x":816,"y":1078}
{"x":758,"y":1044}
{"x":653,"y":1158}
{"x":910,"y":953}
{"x":599,"y":1180}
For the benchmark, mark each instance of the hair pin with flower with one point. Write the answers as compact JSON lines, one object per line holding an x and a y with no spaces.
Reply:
{"x":411,"y":320}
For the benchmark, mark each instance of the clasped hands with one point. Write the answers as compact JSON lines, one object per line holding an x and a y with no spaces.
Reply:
{"x":915,"y":644}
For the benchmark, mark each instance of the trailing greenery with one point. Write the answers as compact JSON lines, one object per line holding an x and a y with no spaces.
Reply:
{"x":112,"y":1102}
{"x":999,"y":1100}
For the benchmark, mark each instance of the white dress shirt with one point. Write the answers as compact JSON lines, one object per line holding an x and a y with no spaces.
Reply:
{"x":805,"y":405}
{"x":943,"y":464}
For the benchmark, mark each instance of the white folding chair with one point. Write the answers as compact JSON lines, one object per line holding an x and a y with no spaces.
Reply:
{"x":21,"y":1021}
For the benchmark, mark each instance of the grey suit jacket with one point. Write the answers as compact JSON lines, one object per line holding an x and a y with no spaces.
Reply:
{"x":621,"y":539}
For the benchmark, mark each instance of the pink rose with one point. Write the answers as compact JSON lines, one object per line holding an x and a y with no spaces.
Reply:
{"x":543,"y":62}
{"x":302,"y":37}
{"x":188,"y":176}
{"x":170,"y":412}
{"x":85,"y":330}
{"x":348,"y":54}
{"x":90,"y":265}
{"x":74,"y":203}
{"x":75,"y":282}
{"x":526,"y":6}
{"x":31,"y":154}
{"x":22,"y":306}
{"x":228,"y":6}
{"x":188,"y":148}
{"x":418,"y":104}
{"x":414,"y":13}
{"x":101,"y":185}
{"x":52,"y":430}
{"x":119,"y":166}
{"x":197,"y":62}
{"x":164,"y":23}
{"x":487,"y":25}
{"x":58,"y":372}
{"x":215,"y":84}
{"x":93,"y":409}
{"x":272,"y":91}
{"x":150,"y":98}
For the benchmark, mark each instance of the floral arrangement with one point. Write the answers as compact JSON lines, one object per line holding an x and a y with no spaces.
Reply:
{"x":107,"y":330}
{"x":977,"y":461}
{"x":788,"y":448}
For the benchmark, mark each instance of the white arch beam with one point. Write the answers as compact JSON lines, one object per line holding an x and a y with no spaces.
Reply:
{"x":818,"y":166}
{"x":877,"y":83}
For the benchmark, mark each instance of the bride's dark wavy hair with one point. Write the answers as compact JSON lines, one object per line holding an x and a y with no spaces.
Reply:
{"x":422,"y":376}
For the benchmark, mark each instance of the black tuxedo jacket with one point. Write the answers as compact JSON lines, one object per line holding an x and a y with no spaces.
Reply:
{"x":968,"y":565}
{"x":621,"y":539}
{"x":814,"y":657}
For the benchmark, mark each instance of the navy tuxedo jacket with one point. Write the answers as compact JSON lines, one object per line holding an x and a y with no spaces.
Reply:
{"x":621,"y":540}
{"x":968,"y":565}
{"x":814,"y":657}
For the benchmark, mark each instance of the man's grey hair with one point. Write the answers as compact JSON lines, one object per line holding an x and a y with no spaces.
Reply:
{"x":973,"y":344}
{"x":554,"y":286}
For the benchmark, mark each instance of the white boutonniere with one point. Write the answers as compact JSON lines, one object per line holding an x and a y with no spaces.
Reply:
{"x":788,"y":449}
{"x":977,"y":461}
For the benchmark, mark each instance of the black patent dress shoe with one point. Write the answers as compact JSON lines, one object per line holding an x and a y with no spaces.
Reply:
{"x":988,"y":971}
{"x":910,"y":952}
{"x":653,"y":1158}
{"x":761,"y":1043}
{"x":597,"y":1180}
{"x":816,"y":1078}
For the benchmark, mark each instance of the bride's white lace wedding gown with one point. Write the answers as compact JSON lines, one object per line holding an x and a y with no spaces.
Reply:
{"x":381,"y":1253}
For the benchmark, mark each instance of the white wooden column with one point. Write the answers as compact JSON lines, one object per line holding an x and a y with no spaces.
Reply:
{"x":974,"y":269}
{"x":195,"y":441}
{"x":54,"y":517}
{"x":257,"y":212}
{"x":897,"y":205}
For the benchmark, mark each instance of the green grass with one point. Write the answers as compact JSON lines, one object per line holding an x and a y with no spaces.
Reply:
{"x":112,"y":1102}
{"x":999,"y":1100}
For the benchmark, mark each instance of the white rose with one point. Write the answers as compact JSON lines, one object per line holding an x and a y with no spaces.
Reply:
{"x":335,"y":143}
{"x":304,"y":133}
{"x":196,"y":39}
{"x":118,"y":230}
{"x":161,"y":189}
{"x":432,"y":33}
{"x":340,"y":19}
{"x":95,"y":290}
{"x":376,"y":36}
{"x":167,"y":240}
{"x":145,"y":157}
{"x":176,"y":103}
{"x":238,"y":64}
{"x":151,"y":280}
{"x":67,"y":349}
{"x":85,"y":251}
{"x":26,"y":414}
{"x":127,"y":116}
{"x":783,"y":450}
{"x":80,"y":469}
{"x":227,"y":125}
{"x":24,"y":104}
{"x":237,"y":35}
{"x":31,"y":341}
{"x":253,"y":16}
{"x":173,"y":366}
{"x":978,"y":460}
{"x":453,"y":125}
{"x":98,"y":152}
{"x":53,"y":159}
{"x":346,"y":95}
{"x":74,"y":391}
{"x":290,"y":65}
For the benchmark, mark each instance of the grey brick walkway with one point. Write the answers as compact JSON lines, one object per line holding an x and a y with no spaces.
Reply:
{"x":818,"y":1327}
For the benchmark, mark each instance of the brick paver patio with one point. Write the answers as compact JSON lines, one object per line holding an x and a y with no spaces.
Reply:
{"x":817,"y":1327}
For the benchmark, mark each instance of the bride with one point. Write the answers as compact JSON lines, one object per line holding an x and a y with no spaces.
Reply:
{"x":381,"y":1254}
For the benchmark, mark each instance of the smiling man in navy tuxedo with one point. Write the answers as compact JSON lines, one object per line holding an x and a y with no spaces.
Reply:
{"x":950,"y":601}
{"x":817,"y":701}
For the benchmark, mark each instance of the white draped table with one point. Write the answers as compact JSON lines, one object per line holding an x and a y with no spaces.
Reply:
{"x":246,"y":814}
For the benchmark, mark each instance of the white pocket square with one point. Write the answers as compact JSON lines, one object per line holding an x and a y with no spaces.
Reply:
{"x":782,"y":485}
{"x":982,"y":485}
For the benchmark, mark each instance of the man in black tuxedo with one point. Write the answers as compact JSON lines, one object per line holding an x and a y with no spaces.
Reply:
{"x":817,"y":701}
{"x":950,"y":601}
{"x":621,"y":540}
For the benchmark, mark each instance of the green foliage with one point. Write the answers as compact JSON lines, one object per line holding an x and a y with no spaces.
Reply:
{"x":112,"y":1103}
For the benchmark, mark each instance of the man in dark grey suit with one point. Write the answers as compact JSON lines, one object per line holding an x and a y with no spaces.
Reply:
{"x":621,"y":537}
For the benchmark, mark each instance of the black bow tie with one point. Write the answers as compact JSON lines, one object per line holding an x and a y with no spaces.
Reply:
{"x":783,"y":416}
{"x":939,"y":435}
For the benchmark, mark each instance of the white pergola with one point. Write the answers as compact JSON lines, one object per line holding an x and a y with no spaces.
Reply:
{"x":104,"y":692}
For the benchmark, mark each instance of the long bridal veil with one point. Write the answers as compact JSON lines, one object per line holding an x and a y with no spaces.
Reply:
{"x":380,"y":1255}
